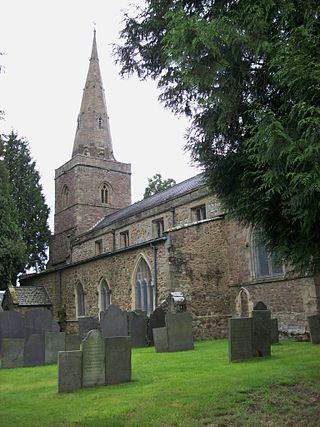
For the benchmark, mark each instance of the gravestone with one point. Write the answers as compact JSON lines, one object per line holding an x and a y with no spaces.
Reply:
{"x":260,"y":306}
{"x":34,"y":350}
{"x":54,"y":342}
{"x":72,"y":342}
{"x":114,"y":322}
{"x":138,"y":328}
{"x":118,"y":359}
{"x":160,"y":338}
{"x":157,"y":320}
{"x":240,"y":338}
{"x":93,"y":359}
{"x":314,"y":327}
{"x":11,"y":325}
{"x":87,"y":324}
{"x":274,"y":331}
{"x":39,"y":321}
{"x":69,"y":371}
{"x":179,"y":331}
{"x":12,"y":353}
{"x":261,"y":333}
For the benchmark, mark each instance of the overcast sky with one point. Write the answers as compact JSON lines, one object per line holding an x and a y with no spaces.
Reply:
{"x":46,"y":48}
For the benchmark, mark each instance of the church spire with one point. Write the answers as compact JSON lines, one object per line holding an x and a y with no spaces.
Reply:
{"x":93,"y":136}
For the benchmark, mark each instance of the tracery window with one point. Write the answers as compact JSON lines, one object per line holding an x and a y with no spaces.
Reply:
{"x":144,"y":290}
{"x":104,"y":295}
{"x":265,"y":263}
{"x":65,"y":196}
{"x":80,"y":301}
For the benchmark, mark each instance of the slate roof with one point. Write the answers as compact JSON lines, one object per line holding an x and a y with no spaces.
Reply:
{"x":32,"y":296}
{"x":177,"y":190}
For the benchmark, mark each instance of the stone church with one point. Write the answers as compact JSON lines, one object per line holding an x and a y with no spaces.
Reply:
{"x":106,"y":250}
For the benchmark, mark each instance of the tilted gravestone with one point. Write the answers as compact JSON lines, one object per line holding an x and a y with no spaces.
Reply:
{"x":12,"y":353}
{"x":314,"y":327}
{"x":240,"y":338}
{"x":39,"y":321}
{"x":69,"y":371}
{"x":118,"y":359}
{"x":179,"y":330}
{"x":54,"y":342}
{"x":87,"y":324}
{"x":157,"y":320}
{"x":138,"y":328}
{"x":261,"y":333}
{"x":114,"y":322}
{"x":274,"y":331}
{"x":160,"y":339}
{"x":93,"y":359}
{"x":34,"y":350}
{"x":72,"y":342}
{"x":11,"y":325}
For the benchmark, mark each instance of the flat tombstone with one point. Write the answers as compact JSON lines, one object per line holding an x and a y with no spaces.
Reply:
{"x":34,"y":350}
{"x":11,"y":325}
{"x":138,"y":328}
{"x":87,"y":324}
{"x":160,"y":338}
{"x":261,"y":333}
{"x":157,"y":320}
{"x":240,"y":336}
{"x":260,"y":306}
{"x":118,"y":360}
{"x":12,"y":353}
{"x":38,"y":321}
{"x":314,"y":327}
{"x":114,"y":322}
{"x":93,"y":359}
{"x":274,"y":331}
{"x":54,"y":342}
{"x":69,"y":371}
{"x":72,"y":342}
{"x":179,"y":330}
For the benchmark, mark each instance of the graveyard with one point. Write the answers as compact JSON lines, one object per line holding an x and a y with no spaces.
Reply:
{"x":184,"y":388}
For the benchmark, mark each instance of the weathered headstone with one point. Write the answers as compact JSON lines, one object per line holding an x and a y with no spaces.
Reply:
{"x":87,"y":324}
{"x":54,"y":342}
{"x":12,"y":353}
{"x":157,"y":320}
{"x":114,"y":322}
{"x":118,"y":359}
{"x":69,"y":371}
{"x":93,"y":359}
{"x":138,"y":328}
{"x":72,"y":342}
{"x":274,"y":331}
{"x":179,"y":330}
{"x":314,"y":327}
{"x":39,"y":321}
{"x":261,"y":333}
{"x":34,"y":350}
{"x":11,"y":325}
{"x":160,"y":338}
{"x":240,"y":338}
{"x":260,"y":306}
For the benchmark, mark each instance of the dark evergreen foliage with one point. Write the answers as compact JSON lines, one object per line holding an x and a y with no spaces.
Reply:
{"x":247,"y":74}
{"x":156,"y":184}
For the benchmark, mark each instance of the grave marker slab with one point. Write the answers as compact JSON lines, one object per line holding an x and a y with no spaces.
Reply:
{"x":274,"y":331}
{"x":34,"y":350}
{"x":179,"y":330}
{"x":138,"y":328}
{"x":240,"y":338}
{"x":73,"y":342}
{"x":39,"y":321}
{"x":261,"y":333}
{"x":69,"y":371}
{"x":114,"y":322}
{"x":314,"y":327}
{"x":12,"y":353}
{"x":11,"y":325}
{"x":160,"y":338}
{"x":93,"y":359}
{"x":54,"y":342}
{"x":157,"y":320}
{"x":87,"y":324}
{"x":118,"y":359}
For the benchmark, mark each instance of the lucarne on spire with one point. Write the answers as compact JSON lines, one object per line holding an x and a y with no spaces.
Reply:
{"x":93,"y":136}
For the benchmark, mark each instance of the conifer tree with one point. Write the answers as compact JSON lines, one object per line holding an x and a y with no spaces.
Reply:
{"x":26,"y":191}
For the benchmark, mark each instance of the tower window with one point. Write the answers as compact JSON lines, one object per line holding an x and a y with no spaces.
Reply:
{"x":104,"y":194}
{"x":65,"y":196}
{"x":100,"y":122}
{"x":78,"y":122}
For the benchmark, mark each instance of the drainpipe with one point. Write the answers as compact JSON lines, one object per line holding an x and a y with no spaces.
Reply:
{"x":114,"y":240}
{"x":154,"y":250}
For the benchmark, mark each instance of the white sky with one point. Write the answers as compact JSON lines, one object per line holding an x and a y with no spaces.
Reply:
{"x":47,"y":46}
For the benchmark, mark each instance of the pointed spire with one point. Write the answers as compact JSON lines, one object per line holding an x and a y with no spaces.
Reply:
{"x":93,"y":136}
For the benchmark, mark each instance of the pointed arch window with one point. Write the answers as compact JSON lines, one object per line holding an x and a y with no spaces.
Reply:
{"x":104,"y":193}
{"x":80,"y":301}
{"x":104,"y":296}
{"x":265,"y":263}
{"x":144,"y":290}
{"x":65,"y":196}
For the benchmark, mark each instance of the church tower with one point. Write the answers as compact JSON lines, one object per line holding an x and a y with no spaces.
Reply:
{"x":91,"y":184}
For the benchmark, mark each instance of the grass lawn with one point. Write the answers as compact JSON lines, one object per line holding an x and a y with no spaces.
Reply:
{"x":192,"y":388}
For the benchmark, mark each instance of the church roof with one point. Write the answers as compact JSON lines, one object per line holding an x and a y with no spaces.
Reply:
{"x":177,"y":190}
{"x":32,"y":296}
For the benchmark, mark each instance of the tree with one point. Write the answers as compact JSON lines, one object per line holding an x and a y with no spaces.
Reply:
{"x":26,"y":191}
{"x":156,"y":184}
{"x":247,"y":74}
{"x":12,"y":247}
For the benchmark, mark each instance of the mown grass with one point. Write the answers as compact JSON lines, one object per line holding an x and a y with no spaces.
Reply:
{"x":192,"y":388}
